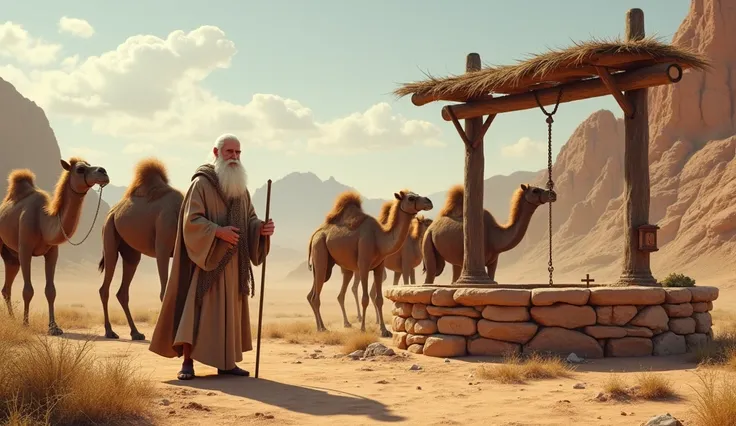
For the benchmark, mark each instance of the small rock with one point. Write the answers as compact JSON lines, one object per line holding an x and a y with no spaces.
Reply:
{"x":419,"y":388}
{"x":447,"y":360}
{"x":578,"y":386}
{"x":357,"y":354}
{"x":663,"y":420}
{"x":415,"y":367}
{"x":211,"y":393}
{"x":574,"y":359}
{"x":378,"y":349}
{"x":623,"y":413}
{"x":195,"y":406}
{"x":382,"y":382}
{"x":165,"y":402}
{"x":601,"y":397}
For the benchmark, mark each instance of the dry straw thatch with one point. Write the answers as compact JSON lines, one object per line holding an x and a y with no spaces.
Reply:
{"x":574,"y":62}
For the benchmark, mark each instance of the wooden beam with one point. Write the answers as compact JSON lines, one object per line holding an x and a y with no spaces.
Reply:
{"x":635,"y":265}
{"x":474,"y":268}
{"x":605,"y":76}
{"x":643,"y":78}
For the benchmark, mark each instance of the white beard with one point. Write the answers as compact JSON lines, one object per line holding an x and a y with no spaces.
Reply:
{"x":233,"y":177}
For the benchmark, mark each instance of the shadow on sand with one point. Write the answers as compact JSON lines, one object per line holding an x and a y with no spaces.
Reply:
{"x":99,"y":337}
{"x":306,"y":400}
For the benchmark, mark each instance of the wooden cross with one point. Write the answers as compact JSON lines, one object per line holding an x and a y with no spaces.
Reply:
{"x":587,"y":280}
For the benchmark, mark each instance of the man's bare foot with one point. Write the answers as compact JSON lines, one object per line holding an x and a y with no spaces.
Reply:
{"x":236,"y":371}
{"x":187,"y":370}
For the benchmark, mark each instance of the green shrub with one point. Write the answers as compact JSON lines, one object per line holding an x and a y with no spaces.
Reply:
{"x":678,"y":280}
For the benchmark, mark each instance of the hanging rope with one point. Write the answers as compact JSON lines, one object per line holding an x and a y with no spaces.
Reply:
{"x":550,"y":182}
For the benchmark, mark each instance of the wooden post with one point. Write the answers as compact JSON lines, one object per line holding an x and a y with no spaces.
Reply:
{"x":474,"y":270}
{"x":636,"y":269}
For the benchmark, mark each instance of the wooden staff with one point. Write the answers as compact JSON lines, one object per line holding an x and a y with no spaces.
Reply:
{"x":263,"y":282}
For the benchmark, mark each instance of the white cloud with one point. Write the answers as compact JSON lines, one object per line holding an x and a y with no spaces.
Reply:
{"x":137,"y":148}
{"x":524,"y":147}
{"x":149,"y":89}
{"x":16,"y":43}
{"x":76,"y":27}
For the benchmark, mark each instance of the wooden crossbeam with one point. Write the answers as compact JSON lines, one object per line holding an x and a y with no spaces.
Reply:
{"x":607,"y":79}
{"x":655,"y":75}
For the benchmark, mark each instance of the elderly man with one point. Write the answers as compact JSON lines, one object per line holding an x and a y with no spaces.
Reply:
{"x":204,"y":314}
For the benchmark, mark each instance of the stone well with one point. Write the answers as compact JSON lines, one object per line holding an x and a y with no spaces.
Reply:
{"x":449,"y":321}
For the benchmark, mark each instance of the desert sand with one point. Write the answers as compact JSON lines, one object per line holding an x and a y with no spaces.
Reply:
{"x":310,"y":382}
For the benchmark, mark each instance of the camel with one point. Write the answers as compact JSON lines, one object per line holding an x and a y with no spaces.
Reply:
{"x":33,"y":223}
{"x":356,"y":241}
{"x":144,"y":221}
{"x":402,"y":262}
{"x":443,"y":240}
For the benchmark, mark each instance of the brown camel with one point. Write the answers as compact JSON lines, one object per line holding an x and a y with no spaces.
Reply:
{"x":33,"y":223}
{"x":143,"y":222}
{"x":402,"y":262}
{"x":356,"y":241}
{"x":443,"y":240}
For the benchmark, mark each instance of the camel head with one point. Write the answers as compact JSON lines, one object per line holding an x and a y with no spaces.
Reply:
{"x":412,"y":203}
{"x":422,"y":224}
{"x":538,"y":196}
{"x":83,"y":176}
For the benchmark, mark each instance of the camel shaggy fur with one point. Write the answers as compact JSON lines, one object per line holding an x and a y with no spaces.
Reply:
{"x":443,"y":240}
{"x":144,"y":221}
{"x":33,"y":223}
{"x":358,"y":242}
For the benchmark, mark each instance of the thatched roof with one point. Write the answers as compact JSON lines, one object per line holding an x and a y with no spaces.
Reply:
{"x":553,"y":67}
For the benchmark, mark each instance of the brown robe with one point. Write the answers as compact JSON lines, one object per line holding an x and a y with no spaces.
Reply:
{"x":224,"y":331}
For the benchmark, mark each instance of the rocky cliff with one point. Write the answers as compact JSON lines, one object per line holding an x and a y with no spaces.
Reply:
{"x":29,"y":142}
{"x":692,"y":158}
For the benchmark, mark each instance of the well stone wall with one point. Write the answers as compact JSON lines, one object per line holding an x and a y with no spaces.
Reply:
{"x":591,"y":322}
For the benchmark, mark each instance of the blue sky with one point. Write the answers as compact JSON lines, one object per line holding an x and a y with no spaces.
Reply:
{"x":336,"y":58}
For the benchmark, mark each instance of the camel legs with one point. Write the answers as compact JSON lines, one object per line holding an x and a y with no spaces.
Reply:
{"x":110,"y":244}
{"x":456,"y":271}
{"x":165,"y":241}
{"x":431,"y":259}
{"x":491,"y":268}
{"x":354,"y":289}
{"x":406,"y":270}
{"x":50,"y":258}
{"x":412,"y":276}
{"x":24,"y":257}
{"x":347,"y":275}
{"x":397,"y":276}
{"x":131,"y":258}
{"x":319,"y":274}
{"x":12,"y":267}
{"x":377,"y":295}
{"x":379,"y":274}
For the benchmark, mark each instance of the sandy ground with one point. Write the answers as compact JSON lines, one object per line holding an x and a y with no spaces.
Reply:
{"x":307,"y":384}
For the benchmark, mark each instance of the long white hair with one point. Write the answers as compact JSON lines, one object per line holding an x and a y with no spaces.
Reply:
{"x":231,"y":173}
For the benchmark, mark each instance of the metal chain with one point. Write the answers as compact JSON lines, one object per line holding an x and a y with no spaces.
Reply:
{"x":550,"y":182}
{"x":61,"y":225}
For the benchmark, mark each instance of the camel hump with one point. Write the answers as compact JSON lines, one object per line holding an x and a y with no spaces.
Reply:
{"x":347,"y":210}
{"x":21,"y":182}
{"x":150,"y":179}
{"x":385,"y":212}
{"x":454,"y":202}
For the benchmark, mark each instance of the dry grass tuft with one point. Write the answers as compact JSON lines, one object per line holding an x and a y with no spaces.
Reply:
{"x":305,"y":333}
{"x":649,"y":386}
{"x":615,"y":386}
{"x":358,"y":342}
{"x":45,"y":380}
{"x":721,"y":350}
{"x":715,"y":403}
{"x":654,"y":386}
{"x":516,"y":369}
